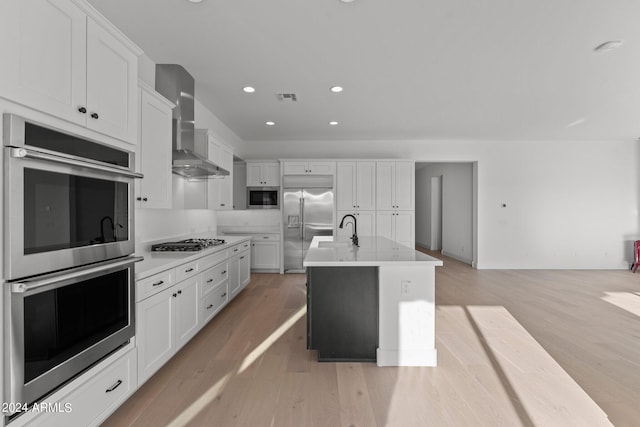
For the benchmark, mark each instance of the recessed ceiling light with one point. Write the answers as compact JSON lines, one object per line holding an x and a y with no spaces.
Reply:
{"x":607,"y":46}
{"x":270,"y":123}
{"x":336,"y":89}
{"x":347,"y":1}
{"x":249,"y":89}
{"x":333,"y":123}
{"x":195,"y":1}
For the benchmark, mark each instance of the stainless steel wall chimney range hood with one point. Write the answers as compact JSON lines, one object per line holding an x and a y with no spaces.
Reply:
{"x":189,"y":159}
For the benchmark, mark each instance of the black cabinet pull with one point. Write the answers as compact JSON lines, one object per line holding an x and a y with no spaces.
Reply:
{"x":113,"y":387}
{"x":209,"y":306}
{"x":210,"y":280}
{"x":94,"y":116}
{"x":82,"y":110}
{"x":224,"y":272}
{"x":144,"y":199}
{"x":175,"y":295}
{"x":139,"y":199}
{"x":235,"y":250}
{"x":242,"y":257}
{"x":265,"y":237}
{"x":188,"y":270}
{"x":223,"y":295}
{"x":179,"y":292}
{"x":158,"y":283}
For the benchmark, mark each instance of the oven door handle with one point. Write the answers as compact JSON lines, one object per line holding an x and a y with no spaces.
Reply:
{"x":19,"y":153}
{"x":23,"y":286}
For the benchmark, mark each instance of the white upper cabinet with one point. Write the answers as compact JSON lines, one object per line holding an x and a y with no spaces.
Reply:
{"x":395,"y":185}
{"x":64,"y":63}
{"x":355,"y":185}
{"x":154,"y":151}
{"x":309,"y":167}
{"x":112,"y":72}
{"x":263,"y":174}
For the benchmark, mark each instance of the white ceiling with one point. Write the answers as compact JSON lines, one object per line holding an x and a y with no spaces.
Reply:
{"x":411,"y":69}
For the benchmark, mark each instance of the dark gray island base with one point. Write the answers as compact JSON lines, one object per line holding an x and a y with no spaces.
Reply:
{"x":342,"y":313}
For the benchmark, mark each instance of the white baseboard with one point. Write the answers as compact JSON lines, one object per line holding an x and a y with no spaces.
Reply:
{"x":456,"y":257}
{"x":428,"y":357}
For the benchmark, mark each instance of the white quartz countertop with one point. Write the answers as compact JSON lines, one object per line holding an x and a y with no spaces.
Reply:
{"x":155,"y":262}
{"x":248,"y":229}
{"x":373,"y":251}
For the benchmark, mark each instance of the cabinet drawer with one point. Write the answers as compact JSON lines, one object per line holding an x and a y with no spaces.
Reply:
{"x":213,"y":259}
{"x":187,"y":270}
{"x":211,"y":304}
{"x":265,"y":238}
{"x":213,"y":277}
{"x":154,"y":284}
{"x":236,"y":249}
{"x":92,"y":402}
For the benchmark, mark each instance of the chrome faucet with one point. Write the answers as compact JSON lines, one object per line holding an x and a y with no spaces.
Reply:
{"x":354,"y":238}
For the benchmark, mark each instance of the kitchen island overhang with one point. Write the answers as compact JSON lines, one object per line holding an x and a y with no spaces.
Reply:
{"x":405,"y":292}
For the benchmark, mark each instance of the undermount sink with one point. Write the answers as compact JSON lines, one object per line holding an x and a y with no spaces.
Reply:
{"x":334,"y":244}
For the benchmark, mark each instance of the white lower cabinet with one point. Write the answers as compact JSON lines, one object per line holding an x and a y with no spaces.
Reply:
{"x":165,"y":322}
{"x":173,"y":305}
{"x":90,"y":403}
{"x":265,"y":252}
{"x":239,"y":271}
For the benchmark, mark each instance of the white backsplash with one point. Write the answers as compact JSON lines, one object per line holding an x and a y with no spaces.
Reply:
{"x":250,"y":218}
{"x":160,"y":224}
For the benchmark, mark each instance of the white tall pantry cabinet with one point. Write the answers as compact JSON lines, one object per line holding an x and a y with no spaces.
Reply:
{"x":380,"y":194}
{"x":395,"y":196}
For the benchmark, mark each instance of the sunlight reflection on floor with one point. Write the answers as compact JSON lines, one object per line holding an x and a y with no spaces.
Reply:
{"x":628,"y":301}
{"x":194,"y":409}
{"x":495,"y":364}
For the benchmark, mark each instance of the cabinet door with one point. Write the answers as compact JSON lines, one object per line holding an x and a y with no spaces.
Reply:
{"x":44,"y":56}
{"x":385,"y":222}
{"x":234,"y":275}
{"x":154,"y":154}
{"x":385,"y":181}
{"x":244,"y":268}
{"x":254,"y":175}
{"x":186,"y":300}
{"x":271,"y":174}
{"x":321,"y":168}
{"x":366,"y":185}
{"x":226,"y":193}
{"x":404,"y":228}
{"x":112,"y":73}
{"x":296,"y":168}
{"x":265,"y":255}
{"x":154,"y":333}
{"x":403,"y":185}
{"x":345,"y":185}
{"x":366,"y":223}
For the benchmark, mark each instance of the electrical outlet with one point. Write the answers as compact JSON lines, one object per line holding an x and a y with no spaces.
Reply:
{"x":404,"y":286}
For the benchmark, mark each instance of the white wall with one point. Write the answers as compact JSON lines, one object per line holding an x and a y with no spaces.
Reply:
{"x":570,"y":204}
{"x":457,"y":207}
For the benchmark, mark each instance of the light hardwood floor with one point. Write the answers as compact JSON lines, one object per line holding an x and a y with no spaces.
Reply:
{"x":515,"y":348}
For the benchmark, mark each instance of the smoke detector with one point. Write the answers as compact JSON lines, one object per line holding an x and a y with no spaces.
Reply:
{"x":287,"y":97}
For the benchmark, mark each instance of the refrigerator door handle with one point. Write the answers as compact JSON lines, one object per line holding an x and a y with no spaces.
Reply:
{"x":302,"y":218}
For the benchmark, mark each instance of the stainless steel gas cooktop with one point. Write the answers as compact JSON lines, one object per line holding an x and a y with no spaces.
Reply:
{"x":188,"y":245}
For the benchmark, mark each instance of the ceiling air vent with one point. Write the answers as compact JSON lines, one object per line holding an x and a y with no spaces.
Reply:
{"x":287,"y":97}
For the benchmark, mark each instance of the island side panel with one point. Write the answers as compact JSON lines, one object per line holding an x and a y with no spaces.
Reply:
{"x":407,"y":316}
{"x":342,"y":310}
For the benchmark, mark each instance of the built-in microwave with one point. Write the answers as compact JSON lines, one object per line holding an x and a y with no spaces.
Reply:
{"x":262,"y":197}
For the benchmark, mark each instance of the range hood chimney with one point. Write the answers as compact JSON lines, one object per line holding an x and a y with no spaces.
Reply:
{"x":189,"y":159}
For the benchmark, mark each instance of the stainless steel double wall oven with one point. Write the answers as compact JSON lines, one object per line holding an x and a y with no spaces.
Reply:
{"x":68,"y":264}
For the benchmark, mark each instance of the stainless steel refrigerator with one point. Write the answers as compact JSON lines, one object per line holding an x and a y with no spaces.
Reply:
{"x":307,"y":212}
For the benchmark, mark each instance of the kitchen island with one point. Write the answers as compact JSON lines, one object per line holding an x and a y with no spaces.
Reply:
{"x":379,"y":294}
